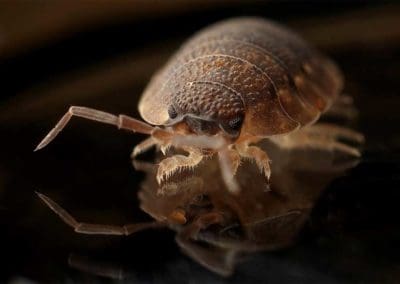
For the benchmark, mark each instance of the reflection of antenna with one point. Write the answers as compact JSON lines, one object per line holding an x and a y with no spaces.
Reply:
{"x":96,"y":229}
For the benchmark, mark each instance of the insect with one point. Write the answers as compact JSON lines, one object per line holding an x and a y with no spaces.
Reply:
{"x":228,"y":87}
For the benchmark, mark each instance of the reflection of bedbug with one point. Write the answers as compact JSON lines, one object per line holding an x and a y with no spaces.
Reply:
{"x":216,"y":228}
{"x":232,"y":84}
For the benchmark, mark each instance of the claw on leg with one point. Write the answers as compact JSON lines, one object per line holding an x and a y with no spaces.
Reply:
{"x":143,"y":146}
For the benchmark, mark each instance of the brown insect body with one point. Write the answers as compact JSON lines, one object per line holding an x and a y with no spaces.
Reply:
{"x":233,"y":84}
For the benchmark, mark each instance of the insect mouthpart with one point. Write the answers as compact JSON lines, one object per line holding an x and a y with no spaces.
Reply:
{"x":229,"y":129}
{"x":202,"y":126}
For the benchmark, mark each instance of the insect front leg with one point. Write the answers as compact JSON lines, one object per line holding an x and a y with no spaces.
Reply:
{"x":229,"y":159}
{"x":170,"y":165}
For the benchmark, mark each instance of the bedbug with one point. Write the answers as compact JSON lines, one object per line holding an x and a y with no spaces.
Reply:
{"x":231,"y":85}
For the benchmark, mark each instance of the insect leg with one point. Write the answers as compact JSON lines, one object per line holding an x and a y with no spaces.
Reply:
{"x":96,"y":229}
{"x":229,"y":165}
{"x":229,"y":160}
{"x":143,"y":146}
{"x":260,"y":156}
{"x":322,"y":137}
{"x":170,"y":165}
{"x":342,"y":108}
{"x":333,"y":131}
{"x":234,"y":159}
{"x":121,"y":121}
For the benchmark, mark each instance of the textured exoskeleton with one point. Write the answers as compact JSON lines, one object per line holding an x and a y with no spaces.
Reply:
{"x":232,"y":84}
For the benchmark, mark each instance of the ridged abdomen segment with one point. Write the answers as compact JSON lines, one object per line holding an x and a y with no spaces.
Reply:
{"x":282,"y":82}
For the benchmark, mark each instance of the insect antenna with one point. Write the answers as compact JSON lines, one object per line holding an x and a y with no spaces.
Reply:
{"x":121,"y":121}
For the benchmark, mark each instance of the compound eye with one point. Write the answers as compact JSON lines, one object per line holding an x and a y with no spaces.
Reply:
{"x":172,"y":112}
{"x":233,"y":126}
{"x":235,"y":123}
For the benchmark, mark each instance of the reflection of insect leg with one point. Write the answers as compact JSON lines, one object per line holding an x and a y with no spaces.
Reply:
{"x":220,"y":261}
{"x":121,"y":121}
{"x":201,"y":223}
{"x":97,"y":229}
{"x":97,"y":268}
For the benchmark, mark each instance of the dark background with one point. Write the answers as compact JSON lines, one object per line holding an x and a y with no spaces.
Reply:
{"x":56,"y":54}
